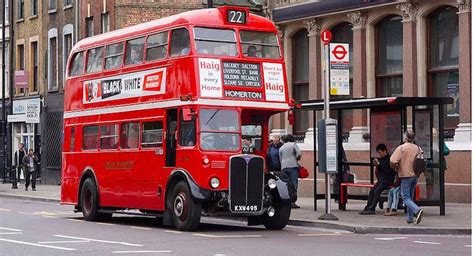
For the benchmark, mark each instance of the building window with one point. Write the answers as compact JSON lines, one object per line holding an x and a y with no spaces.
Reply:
{"x":34,"y":7}
{"x":21,"y":62}
{"x":67,"y":43}
{"x":89,"y":26}
{"x":443,"y":60}
{"x":105,"y":22}
{"x":7,"y":12}
{"x":35,"y":62}
{"x":53,"y":64}
{"x":53,"y":5}
{"x":21,"y":9}
{"x":67,"y":3}
{"x":300,"y":78}
{"x":389,"y":57}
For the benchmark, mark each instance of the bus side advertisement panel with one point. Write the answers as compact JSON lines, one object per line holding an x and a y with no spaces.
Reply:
{"x":274,"y":82}
{"x":132,"y":85}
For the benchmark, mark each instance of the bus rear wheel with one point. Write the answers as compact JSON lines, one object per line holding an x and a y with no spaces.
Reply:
{"x":186,"y":213}
{"x":90,"y":202}
{"x":281,"y":217}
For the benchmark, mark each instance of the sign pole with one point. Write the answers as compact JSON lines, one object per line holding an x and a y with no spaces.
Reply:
{"x":326,"y":38}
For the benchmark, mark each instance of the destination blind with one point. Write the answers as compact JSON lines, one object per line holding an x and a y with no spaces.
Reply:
{"x":242,"y":74}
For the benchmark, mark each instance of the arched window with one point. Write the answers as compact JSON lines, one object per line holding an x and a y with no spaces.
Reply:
{"x":342,"y":33}
{"x":389,"y":56}
{"x":300,"y":87}
{"x":443,"y":72}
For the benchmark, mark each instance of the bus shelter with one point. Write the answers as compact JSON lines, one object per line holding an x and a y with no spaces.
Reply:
{"x":388,"y":119}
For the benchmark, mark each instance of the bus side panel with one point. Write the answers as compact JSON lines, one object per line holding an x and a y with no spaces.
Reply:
{"x":69,"y":182}
{"x":151,"y":173}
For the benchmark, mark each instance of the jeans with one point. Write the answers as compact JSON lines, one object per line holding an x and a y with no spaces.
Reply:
{"x":29,"y":173}
{"x":393,"y":197}
{"x":374,"y":194}
{"x":292,"y":173}
{"x":408,"y":186}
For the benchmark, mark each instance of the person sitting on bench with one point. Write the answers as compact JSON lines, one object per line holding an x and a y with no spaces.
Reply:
{"x":385,"y":179}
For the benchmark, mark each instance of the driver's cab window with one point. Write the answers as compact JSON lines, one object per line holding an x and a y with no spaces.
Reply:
{"x":187,"y":128}
{"x":251,"y":138}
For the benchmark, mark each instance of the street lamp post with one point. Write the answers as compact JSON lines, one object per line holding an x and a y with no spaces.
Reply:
{"x":4,"y":117}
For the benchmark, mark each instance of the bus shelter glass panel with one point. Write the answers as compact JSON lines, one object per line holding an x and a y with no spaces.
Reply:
{"x":385,"y":128}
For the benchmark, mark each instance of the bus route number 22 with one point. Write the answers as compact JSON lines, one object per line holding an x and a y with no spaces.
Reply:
{"x":236,"y":16}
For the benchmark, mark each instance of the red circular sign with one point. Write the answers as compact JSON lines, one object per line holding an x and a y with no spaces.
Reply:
{"x":326,"y":36}
{"x":339,"y":52}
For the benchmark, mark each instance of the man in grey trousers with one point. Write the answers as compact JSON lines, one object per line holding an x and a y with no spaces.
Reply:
{"x":289,"y":156}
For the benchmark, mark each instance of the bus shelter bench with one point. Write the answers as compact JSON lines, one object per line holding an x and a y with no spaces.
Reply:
{"x":343,"y":192}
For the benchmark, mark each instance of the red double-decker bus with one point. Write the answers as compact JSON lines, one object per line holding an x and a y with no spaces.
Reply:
{"x":155,"y":115}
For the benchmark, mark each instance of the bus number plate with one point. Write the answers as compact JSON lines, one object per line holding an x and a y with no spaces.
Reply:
{"x":239,"y":17}
{"x":246,"y":208}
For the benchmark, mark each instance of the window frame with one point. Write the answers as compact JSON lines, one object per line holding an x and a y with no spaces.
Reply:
{"x":71,"y":64}
{"x":116,"y":127}
{"x":126,"y":46}
{"x":97,"y":146}
{"x":142,"y":130}
{"x":121,"y":136}
{"x":160,"y":45}
{"x":113,"y":56}
{"x":196,"y":39}
{"x":87,"y":60}
{"x":170,"y":41}
{"x":241,"y":42}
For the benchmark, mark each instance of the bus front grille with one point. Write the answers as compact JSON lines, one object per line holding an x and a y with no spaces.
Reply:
{"x":246,"y":174}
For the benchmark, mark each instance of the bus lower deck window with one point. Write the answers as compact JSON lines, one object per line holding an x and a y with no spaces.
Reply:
{"x":152,"y":134}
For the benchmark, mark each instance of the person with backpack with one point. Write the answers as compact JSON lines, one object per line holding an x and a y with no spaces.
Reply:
{"x":290,"y":154}
{"x":403,"y":161}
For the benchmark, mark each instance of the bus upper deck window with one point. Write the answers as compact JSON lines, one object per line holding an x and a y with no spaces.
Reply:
{"x":77,"y":64}
{"x":215,"y":41}
{"x":157,"y":46}
{"x":179,"y":42}
{"x":113,"y":56}
{"x":134,"y":53}
{"x":95,"y":59}
{"x":260,"y":44}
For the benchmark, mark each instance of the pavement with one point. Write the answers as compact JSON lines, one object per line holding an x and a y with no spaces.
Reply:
{"x":457,"y":220}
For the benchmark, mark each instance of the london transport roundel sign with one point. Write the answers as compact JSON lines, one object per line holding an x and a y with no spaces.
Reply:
{"x":339,"y":52}
{"x":326,"y":36}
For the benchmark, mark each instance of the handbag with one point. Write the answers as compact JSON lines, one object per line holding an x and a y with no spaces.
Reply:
{"x":419,"y":165}
{"x":303,"y":172}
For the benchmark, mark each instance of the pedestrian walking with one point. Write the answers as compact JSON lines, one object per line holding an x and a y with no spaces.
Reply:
{"x":273,"y":155}
{"x":30,"y":162}
{"x":18,"y":160}
{"x":289,"y":155}
{"x":403,"y":160}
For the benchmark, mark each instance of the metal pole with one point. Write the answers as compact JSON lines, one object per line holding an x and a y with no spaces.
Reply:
{"x":328,"y":215}
{"x":209,"y":3}
{"x":4,"y":117}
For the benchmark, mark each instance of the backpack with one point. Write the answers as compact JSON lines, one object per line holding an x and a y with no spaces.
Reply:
{"x":419,"y":165}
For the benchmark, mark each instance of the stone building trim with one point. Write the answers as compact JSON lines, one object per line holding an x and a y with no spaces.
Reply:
{"x":464,"y":6}
{"x":68,"y":29}
{"x":409,"y":11}
{"x":281,"y":32}
{"x":52,"y":33}
{"x":313,"y":26}
{"x":358,"y":19}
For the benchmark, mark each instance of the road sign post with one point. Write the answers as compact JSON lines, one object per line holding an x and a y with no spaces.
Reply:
{"x":326,"y":37}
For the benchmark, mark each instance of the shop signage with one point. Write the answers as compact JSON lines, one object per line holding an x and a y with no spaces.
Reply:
{"x":339,"y":69}
{"x":27,"y":111}
{"x":21,"y":79}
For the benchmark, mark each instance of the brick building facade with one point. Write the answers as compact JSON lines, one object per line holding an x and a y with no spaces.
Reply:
{"x":398,"y":48}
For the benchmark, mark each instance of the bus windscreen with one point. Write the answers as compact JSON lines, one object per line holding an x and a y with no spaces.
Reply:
{"x":259,"y":45}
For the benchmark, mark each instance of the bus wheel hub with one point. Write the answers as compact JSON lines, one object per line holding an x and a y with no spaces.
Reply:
{"x":179,"y":205}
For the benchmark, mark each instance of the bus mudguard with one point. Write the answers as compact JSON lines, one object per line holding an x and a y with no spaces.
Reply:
{"x":198,"y":194}
{"x":286,"y":190}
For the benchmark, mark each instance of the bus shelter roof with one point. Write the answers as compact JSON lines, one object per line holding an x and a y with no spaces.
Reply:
{"x":364,"y":103}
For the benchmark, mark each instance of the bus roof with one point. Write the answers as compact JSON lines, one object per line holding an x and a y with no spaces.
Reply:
{"x":201,"y":17}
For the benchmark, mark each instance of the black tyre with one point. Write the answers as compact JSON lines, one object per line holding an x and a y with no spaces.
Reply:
{"x":90,"y":202}
{"x":281,"y":217}
{"x":186,"y":213}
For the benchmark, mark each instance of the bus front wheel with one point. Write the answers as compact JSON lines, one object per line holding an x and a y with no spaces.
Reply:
{"x":90,"y":202}
{"x":280,"y":218}
{"x":186,"y":213}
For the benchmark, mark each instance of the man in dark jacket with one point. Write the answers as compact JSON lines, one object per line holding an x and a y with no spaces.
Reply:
{"x":18,"y":161}
{"x":386,"y":176}
{"x":273,"y":157}
{"x":30,"y":162}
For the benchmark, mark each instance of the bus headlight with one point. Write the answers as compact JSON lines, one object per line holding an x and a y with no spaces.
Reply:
{"x":215,"y":182}
{"x":272,"y":183}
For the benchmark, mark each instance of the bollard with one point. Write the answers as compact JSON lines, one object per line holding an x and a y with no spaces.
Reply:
{"x":13,"y":178}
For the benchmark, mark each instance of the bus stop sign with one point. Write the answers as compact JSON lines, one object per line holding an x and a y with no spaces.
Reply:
{"x":326,"y":36}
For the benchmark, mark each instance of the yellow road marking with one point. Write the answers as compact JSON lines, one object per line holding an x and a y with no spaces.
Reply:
{"x":5,"y":210}
{"x":320,"y":234}
{"x":105,"y":224}
{"x":49,"y":216}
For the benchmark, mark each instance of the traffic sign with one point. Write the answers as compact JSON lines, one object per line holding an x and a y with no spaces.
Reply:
{"x":339,"y":52}
{"x":326,"y":36}
{"x":339,"y":80}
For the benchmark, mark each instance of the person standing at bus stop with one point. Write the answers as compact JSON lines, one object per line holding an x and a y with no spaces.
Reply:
{"x":30,"y":161}
{"x":403,"y":160}
{"x":289,"y":155}
{"x":19,"y":154}
{"x":273,"y":155}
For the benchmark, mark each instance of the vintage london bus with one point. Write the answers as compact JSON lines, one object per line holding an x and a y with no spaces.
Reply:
{"x":156,"y":116}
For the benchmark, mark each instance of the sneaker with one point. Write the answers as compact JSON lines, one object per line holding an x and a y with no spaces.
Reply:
{"x":34,"y":189}
{"x":391,"y":213}
{"x":26,"y":188}
{"x":418,"y":216}
{"x":367,"y":212}
{"x":295,"y":206}
{"x":410,"y":223}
